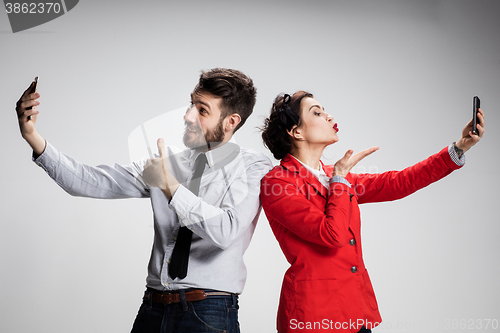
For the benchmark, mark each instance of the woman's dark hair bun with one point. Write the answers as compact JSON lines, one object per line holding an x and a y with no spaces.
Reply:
{"x":285,"y":114}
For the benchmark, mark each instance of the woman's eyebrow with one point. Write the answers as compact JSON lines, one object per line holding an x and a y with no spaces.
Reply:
{"x":319,"y":107}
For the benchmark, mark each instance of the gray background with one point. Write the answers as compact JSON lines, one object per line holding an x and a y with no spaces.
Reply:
{"x":397,"y":74}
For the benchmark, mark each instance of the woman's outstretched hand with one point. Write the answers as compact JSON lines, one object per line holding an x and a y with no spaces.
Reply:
{"x":346,"y":163}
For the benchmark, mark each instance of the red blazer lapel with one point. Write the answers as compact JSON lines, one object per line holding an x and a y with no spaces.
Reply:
{"x":328,"y":169}
{"x":291,"y":164}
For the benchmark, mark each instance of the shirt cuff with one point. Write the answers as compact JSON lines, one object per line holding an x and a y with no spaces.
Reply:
{"x":340,"y":179}
{"x":48,"y":160}
{"x":454,"y":156}
{"x":182,"y":204}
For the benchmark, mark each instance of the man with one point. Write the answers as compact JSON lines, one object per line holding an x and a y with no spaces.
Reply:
{"x":202,"y":228}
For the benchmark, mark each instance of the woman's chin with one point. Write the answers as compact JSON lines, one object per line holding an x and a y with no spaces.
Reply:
{"x":331,"y":142}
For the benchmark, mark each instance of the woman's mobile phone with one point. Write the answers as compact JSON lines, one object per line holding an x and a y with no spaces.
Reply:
{"x":476,"y":104}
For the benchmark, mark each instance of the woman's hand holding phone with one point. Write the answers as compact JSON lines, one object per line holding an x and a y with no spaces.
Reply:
{"x":469,"y":138}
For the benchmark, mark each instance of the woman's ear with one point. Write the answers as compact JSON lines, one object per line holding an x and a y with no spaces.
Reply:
{"x":295,"y":133}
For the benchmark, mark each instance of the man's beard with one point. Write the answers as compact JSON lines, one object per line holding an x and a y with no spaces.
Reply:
{"x":201,"y":142}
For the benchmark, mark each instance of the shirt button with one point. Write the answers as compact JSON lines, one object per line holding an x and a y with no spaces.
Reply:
{"x":168,"y":261}
{"x":352,"y":242}
{"x":354,"y":269}
{"x":175,"y":239}
{"x":166,"y":284}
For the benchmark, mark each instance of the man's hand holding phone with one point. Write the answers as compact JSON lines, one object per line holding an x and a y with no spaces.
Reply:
{"x":27,"y":113}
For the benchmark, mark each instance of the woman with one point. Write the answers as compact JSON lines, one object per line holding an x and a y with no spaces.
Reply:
{"x":313,"y":211}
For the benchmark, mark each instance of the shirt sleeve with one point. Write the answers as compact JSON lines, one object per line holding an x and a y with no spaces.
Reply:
{"x":340,"y":179}
{"x":103,"y":181}
{"x":239,"y":206}
{"x":454,"y":157}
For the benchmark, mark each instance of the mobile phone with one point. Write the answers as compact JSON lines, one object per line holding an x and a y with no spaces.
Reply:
{"x":35,"y":87}
{"x":33,"y":90}
{"x":476,"y":104}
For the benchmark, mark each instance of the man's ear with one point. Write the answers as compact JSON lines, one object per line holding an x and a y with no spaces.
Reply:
{"x":231,"y":122}
{"x":295,"y":133}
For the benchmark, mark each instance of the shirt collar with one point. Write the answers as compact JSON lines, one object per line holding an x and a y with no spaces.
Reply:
{"x":315,"y":172}
{"x":292,"y":164}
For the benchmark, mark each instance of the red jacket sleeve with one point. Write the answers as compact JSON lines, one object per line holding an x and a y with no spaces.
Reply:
{"x":293,"y":203}
{"x":393,"y":185}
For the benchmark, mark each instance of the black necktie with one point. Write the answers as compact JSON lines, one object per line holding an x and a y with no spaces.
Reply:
{"x":180,"y":255}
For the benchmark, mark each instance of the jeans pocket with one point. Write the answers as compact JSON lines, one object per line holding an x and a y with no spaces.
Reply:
{"x":148,"y":319}
{"x":212,"y":314}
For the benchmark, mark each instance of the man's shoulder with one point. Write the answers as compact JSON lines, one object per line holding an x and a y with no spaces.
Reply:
{"x":253,"y":156}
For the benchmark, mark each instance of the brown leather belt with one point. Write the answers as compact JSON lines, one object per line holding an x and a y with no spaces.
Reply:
{"x":191,"y":296}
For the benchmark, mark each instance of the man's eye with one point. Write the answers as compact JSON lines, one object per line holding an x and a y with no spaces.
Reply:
{"x":203,"y":111}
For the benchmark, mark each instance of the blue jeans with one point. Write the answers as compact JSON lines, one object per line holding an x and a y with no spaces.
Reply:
{"x":213,"y":314}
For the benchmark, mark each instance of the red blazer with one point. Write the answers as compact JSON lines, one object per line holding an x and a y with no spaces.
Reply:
{"x":327,"y":285}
